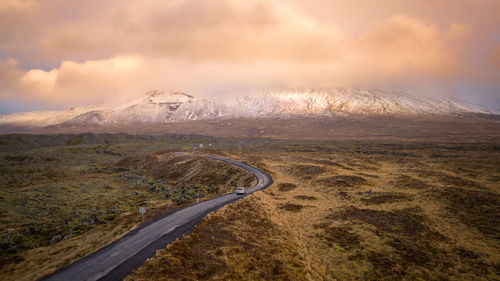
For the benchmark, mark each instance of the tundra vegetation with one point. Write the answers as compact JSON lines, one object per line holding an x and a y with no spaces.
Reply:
{"x":350,"y":210}
{"x":339,"y":209}
{"x":63,"y":197}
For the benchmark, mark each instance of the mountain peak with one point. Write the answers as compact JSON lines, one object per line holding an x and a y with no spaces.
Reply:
{"x":156,"y":96}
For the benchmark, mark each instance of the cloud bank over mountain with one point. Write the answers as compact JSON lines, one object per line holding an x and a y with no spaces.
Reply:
{"x":86,"y":52}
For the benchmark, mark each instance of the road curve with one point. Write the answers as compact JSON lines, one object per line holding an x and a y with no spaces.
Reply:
{"x":119,"y":259}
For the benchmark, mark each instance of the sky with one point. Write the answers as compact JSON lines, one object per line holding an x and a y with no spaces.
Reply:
{"x":60,"y":53}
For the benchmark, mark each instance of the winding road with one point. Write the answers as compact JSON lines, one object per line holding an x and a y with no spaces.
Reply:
{"x":119,"y":259}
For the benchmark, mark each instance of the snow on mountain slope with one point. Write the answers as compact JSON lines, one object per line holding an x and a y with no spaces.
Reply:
{"x":156,"y":107}
{"x":45,"y":118}
{"x":323,"y":102}
{"x":160,"y":107}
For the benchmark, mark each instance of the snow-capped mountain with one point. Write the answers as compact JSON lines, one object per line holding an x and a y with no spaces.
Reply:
{"x":161,"y":107}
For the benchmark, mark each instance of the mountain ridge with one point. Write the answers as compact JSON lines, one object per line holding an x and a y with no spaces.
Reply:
{"x":163,"y":107}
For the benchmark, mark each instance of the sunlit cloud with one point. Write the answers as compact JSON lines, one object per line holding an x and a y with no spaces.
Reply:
{"x":90,"y":52}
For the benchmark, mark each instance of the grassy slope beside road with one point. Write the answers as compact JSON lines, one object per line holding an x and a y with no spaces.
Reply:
{"x":337,"y":211}
{"x":119,"y":259}
{"x":340,"y":210}
{"x":242,"y":241}
{"x":63,"y":197}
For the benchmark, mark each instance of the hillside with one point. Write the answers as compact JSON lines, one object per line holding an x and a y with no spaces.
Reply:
{"x":351,"y":211}
{"x":166,"y":107}
{"x":63,"y":197}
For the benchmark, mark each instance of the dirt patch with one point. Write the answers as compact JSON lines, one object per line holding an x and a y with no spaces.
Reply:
{"x":494,"y":178}
{"x":392,"y":222}
{"x":344,"y":195}
{"x":321,"y":161}
{"x":415,"y":252}
{"x":306,"y":171}
{"x":406,"y":182}
{"x":474,"y":262}
{"x":328,"y":163}
{"x":343,"y":236}
{"x":458,"y":181}
{"x":480,"y":209}
{"x":448,"y":180}
{"x":368,"y":175}
{"x":417,"y":259}
{"x":413,"y":260}
{"x":375,"y":198}
{"x":292,"y":207}
{"x":343,"y":181}
{"x":286,"y":186}
{"x":305,"y":197}
{"x":18,"y":157}
{"x":75,"y":140}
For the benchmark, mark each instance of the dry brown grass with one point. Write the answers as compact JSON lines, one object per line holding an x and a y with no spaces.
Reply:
{"x":434,"y":128}
{"x":355,"y":211}
{"x":286,"y":186}
{"x":36,"y":263}
{"x":405,"y":181}
{"x":305,"y":197}
{"x":306,"y":171}
{"x":386,"y":197}
{"x":178,"y":169}
{"x":243,"y":241}
{"x":51,"y":205}
{"x":478,"y":209}
{"x":412,"y":217}
{"x":291,"y":207}
{"x":342,"y":236}
{"x":342,"y":181}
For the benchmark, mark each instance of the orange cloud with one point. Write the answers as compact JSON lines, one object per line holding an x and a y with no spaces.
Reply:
{"x":71,"y":82}
{"x":403,"y":44}
{"x":122,"y":48}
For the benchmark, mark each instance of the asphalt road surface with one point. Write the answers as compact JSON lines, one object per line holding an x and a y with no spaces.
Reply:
{"x":119,"y":259}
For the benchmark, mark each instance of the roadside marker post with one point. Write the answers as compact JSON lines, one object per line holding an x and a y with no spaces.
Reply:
{"x":142,"y":211}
